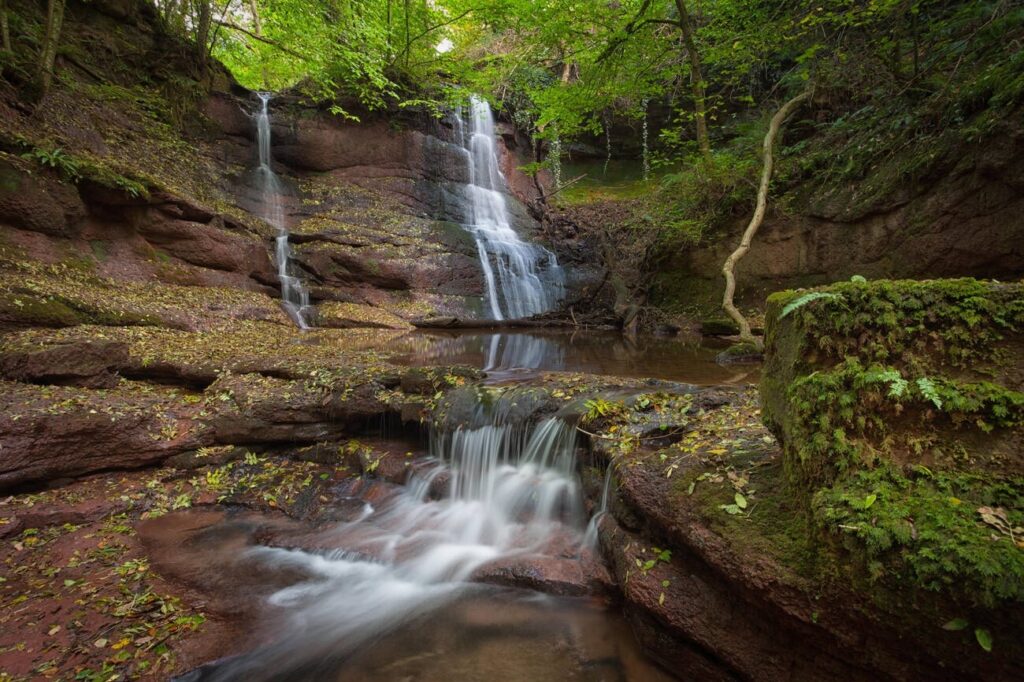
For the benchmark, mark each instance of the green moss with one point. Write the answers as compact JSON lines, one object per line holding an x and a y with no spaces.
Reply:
{"x":925,"y":529}
{"x":100,"y":249}
{"x":738,"y":352}
{"x":719,"y":326}
{"x":35,"y":310}
{"x":917,"y":323}
{"x":852,"y":416}
{"x":776,"y":525}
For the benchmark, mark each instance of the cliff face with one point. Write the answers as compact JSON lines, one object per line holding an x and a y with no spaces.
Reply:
{"x":147,"y":179}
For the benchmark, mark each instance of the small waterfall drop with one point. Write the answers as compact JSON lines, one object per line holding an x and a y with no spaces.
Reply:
{"x":590,"y":538}
{"x":523,"y":279}
{"x":294,"y":296}
{"x":509,"y":491}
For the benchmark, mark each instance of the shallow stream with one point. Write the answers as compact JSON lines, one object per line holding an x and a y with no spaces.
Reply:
{"x":431,"y":580}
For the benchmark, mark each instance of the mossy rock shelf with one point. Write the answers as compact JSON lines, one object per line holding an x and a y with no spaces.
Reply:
{"x":900,"y":411}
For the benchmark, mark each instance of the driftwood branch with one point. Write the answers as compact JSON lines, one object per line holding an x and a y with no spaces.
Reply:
{"x":544,"y":197}
{"x":728,"y":269}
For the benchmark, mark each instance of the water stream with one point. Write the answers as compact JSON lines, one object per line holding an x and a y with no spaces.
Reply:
{"x":522,"y":279}
{"x":502,"y":488}
{"x":294,"y":295}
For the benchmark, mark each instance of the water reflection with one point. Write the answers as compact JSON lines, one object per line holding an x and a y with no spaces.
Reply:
{"x":511,"y":352}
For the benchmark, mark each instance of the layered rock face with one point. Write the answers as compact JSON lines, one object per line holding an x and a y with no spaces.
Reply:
{"x":378,"y":208}
{"x":381,"y":228}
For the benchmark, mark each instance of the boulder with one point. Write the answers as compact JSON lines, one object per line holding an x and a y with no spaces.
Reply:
{"x":52,"y":431}
{"x":201,"y":244}
{"x":39,"y":202}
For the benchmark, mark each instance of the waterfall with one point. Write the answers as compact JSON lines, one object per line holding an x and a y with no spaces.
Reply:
{"x":522,"y":279}
{"x":294,"y":296}
{"x":593,"y":528}
{"x":607,"y":143}
{"x":646,"y":150}
{"x":512,"y":491}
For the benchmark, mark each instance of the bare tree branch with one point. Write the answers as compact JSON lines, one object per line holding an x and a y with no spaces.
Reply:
{"x":262,"y":39}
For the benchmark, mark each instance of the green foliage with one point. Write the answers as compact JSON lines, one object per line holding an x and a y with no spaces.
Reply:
{"x":808,"y":298}
{"x":887,"y":375}
{"x":78,"y":168}
{"x":374,"y":54}
{"x":691,"y":203}
{"x":953,"y":81}
{"x":599,"y":408}
{"x":927,"y":388}
{"x":920,"y":324}
{"x":839,"y":417}
{"x":57,"y":159}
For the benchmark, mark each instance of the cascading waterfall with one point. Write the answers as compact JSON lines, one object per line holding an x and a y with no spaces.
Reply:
{"x":294,"y":296}
{"x":522,"y":279}
{"x":646,"y":149}
{"x":512,"y":491}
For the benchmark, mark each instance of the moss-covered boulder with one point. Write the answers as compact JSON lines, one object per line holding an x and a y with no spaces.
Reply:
{"x":900,"y":409}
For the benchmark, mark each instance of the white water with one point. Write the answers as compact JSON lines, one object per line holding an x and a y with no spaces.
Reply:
{"x":523,"y":279}
{"x":294,"y":296}
{"x":512,"y":492}
{"x":590,"y":538}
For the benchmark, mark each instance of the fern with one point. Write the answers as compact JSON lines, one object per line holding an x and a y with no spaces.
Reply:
{"x":897,"y":384}
{"x":807,"y":298}
{"x":56,"y":159}
{"x":928,"y":390}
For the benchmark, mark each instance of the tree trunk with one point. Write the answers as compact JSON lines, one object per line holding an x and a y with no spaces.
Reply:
{"x":696,"y":82}
{"x":755,"y":222}
{"x":203,"y":24}
{"x":51,"y":40}
{"x":407,"y":34}
{"x":5,"y":28}
{"x":257,"y":27}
